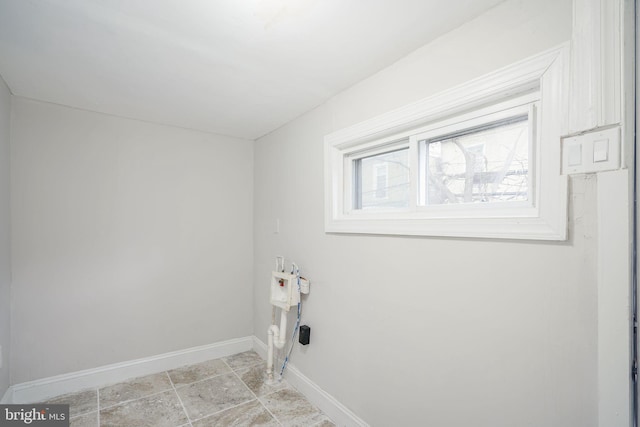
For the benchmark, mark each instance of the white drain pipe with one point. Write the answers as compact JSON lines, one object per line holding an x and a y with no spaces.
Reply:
{"x":276,"y":337}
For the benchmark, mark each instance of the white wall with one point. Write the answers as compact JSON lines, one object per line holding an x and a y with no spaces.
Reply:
{"x":5,"y":243}
{"x":130,"y":239}
{"x":433,"y":331}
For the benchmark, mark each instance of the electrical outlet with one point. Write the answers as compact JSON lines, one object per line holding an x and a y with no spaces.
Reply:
{"x":305,"y":334}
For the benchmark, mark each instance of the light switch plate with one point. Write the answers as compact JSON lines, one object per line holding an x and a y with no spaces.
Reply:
{"x":574,"y":150}
{"x":591,"y":152}
{"x":600,"y":150}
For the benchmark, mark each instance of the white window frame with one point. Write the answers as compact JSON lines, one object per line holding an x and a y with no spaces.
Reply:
{"x":537,"y":84}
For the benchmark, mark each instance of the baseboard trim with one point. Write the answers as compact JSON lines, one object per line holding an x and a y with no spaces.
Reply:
{"x":339,"y":414}
{"x":39,"y":390}
{"x":7,"y":397}
{"x":42,"y":389}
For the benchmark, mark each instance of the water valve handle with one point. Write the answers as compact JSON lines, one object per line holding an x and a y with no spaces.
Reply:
{"x":304,"y":286}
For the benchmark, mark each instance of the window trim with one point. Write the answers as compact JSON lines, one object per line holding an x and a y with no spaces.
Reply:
{"x":543,"y":76}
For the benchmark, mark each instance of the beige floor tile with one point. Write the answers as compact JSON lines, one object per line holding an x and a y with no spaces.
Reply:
{"x":255,"y":378}
{"x":86,"y":420}
{"x":243,"y":360}
{"x":213,"y":395}
{"x":134,"y":389}
{"x":248,"y":414}
{"x":325,"y":423}
{"x":79,"y":403}
{"x":159,"y":410}
{"x":292,"y":409}
{"x":199,"y":371}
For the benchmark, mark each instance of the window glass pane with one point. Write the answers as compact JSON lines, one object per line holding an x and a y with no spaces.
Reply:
{"x":382,"y":181}
{"x":488,"y":163}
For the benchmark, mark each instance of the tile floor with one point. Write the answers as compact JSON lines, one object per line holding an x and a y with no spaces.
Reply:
{"x":222,"y":392}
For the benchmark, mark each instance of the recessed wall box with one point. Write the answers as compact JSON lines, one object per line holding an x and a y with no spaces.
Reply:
{"x":284,"y":290}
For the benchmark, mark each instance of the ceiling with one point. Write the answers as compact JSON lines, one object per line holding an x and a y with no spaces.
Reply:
{"x":234,"y":67}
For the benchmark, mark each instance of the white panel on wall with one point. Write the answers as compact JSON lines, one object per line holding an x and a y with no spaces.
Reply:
{"x":596,"y":97}
{"x":613,"y":300}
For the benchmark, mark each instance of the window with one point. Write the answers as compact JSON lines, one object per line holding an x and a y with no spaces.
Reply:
{"x":381,"y":180}
{"x":483,"y":163}
{"x":480,"y":160}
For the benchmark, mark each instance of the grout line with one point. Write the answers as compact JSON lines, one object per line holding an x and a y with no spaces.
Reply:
{"x":272,"y":414}
{"x":251,"y":364}
{"x":231,"y":371}
{"x":228,"y":366}
{"x":225,"y":409}
{"x":137,"y":398}
{"x":246,"y":368}
{"x":321,"y":421}
{"x":175,"y":390}
{"x":258,"y":398}
{"x":287,"y":385}
{"x":269,"y":411}
{"x":235,"y":372}
{"x":245,"y":385}
{"x":81,"y":414}
{"x":178,"y":396}
{"x":235,"y":406}
{"x":199,"y":381}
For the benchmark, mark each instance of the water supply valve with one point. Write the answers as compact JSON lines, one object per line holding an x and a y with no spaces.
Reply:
{"x":285,"y":291}
{"x":304,"y":286}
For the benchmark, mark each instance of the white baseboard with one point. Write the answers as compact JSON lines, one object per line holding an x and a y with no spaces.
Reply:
{"x":339,"y":414}
{"x":8,"y":397}
{"x":39,"y":390}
